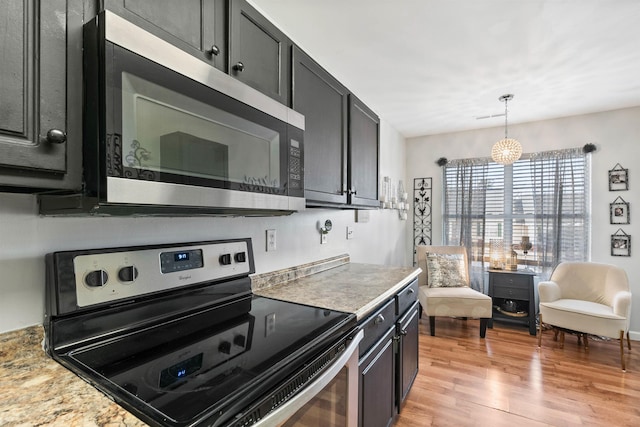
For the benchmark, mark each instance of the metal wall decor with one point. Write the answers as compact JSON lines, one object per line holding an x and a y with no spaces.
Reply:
{"x":620,"y":243}
{"x":618,"y":178}
{"x":421,"y":213}
{"x":619,"y":212}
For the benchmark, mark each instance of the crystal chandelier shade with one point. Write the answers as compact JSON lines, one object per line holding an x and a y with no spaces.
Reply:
{"x":507,"y":150}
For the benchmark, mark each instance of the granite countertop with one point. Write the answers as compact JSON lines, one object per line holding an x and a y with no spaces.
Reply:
{"x":35,"y":390}
{"x":350,"y":287}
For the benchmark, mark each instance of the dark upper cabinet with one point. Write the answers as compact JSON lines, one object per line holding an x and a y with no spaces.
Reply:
{"x":195,"y":26}
{"x":341,"y":138}
{"x":33,"y":90}
{"x":258,"y":51}
{"x":323,"y":102}
{"x":364,"y":137}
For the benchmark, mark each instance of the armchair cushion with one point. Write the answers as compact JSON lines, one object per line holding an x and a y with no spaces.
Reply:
{"x":446,"y":270}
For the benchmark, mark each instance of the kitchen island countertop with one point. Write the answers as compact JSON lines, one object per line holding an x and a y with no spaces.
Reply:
{"x":37,"y":391}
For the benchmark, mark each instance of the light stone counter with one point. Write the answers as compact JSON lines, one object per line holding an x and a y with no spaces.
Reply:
{"x":344,"y":286}
{"x":37,"y":391}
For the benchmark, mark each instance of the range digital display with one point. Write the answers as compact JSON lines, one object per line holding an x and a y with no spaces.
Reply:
{"x":181,"y":256}
{"x":180,"y":260}
{"x":180,"y":370}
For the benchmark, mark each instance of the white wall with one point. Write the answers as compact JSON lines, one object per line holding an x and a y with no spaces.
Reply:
{"x":617,"y":137}
{"x":25,"y":238}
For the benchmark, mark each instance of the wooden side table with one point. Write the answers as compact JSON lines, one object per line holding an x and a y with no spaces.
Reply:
{"x":516,"y":286}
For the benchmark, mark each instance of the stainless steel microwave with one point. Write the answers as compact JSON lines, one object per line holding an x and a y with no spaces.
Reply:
{"x":167,"y":133}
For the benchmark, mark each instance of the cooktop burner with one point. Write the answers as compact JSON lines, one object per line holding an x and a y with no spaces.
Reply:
{"x":178,"y":354}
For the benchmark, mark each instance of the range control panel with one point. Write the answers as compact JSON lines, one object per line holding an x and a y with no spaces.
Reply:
{"x":103,"y":276}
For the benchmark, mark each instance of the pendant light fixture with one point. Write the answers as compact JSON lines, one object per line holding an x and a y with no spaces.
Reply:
{"x":507,"y":150}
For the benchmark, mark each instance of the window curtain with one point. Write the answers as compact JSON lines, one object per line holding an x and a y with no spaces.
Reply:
{"x":560,"y":188}
{"x":543,"y":196}
{"x":465,"y":191}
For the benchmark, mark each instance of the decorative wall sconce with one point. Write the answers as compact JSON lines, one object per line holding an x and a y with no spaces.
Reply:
{"x":324,"y":230}
{"x":394,"y":197}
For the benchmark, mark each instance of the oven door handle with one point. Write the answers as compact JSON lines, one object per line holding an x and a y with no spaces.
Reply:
{"x":284,"y":412}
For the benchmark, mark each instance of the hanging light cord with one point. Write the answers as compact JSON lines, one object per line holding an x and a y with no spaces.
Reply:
{"x":506,"y":101}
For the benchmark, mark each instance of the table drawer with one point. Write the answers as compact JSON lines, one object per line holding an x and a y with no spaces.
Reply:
{"x":511,"y":280}
{"x":510,"y":292}
{"x":377,"y":324}
{"x":406,"y":297}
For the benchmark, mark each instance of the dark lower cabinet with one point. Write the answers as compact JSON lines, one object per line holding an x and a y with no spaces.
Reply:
{"x":388,"y":358}
{"x":407,"y":353}
{"x":376,"y":383}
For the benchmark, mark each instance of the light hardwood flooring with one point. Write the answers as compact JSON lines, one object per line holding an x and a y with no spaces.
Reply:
{"x":505,"y":380}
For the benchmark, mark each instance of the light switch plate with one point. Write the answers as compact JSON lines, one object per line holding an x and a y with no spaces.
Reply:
{"x":349,"y":232}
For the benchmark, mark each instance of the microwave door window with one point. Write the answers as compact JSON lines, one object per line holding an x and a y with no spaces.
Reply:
{"x":168,"y":132}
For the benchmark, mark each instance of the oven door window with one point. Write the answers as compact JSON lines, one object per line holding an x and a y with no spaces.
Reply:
{"x":329,"y":408}
{"x":174,"y":129}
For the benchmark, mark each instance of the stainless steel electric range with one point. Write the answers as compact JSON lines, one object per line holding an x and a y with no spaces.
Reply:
{"x":174,"y":334}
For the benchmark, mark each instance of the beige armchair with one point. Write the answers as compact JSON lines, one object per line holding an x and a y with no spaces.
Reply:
{"x":586,"y":298}
{"x":444,"y":286}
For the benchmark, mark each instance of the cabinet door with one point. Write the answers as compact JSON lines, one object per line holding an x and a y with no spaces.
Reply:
{"x":33,"y":85}
{"x":258,"y":52}
{"x":376,"y":384}
{"x":364,"y":136}
{"x":195,"y":26}
{"x":323,"y":102}
{"x":407,"y":353}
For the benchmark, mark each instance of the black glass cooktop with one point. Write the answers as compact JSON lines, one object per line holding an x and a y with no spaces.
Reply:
{"x":211,"y":363}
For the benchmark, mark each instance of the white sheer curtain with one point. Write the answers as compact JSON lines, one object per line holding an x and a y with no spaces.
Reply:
{"x":465,"y":200}
{"x":561,"y":207}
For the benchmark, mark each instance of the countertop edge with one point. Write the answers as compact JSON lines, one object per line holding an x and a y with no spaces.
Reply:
{"x":363,"y":312}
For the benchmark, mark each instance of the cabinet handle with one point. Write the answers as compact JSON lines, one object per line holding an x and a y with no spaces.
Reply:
{"x":379,"y":319}
{"x":56,"y":136}
{"x":412,"y":291}
{"x":403,"y":333}
{"x":239,"y":67}
{"x":353,"y":191}
{"x":215,"y":50}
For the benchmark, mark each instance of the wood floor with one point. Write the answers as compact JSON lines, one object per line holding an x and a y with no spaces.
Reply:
{"x":504,"y":380}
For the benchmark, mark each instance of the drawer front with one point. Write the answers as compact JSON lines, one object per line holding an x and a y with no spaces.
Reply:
{"x":511,"y":280}
{"x":513,"y":292}
{"x":375,"y":326}
{"x":406,"y":297}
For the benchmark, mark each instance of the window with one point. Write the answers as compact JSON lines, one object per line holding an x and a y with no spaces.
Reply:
{"x":542,"y":197}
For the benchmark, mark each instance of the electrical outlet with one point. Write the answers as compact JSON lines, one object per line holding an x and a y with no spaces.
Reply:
{"x":271,"y":240}
{"x":349,"y":232}
{"x":269,"y":324}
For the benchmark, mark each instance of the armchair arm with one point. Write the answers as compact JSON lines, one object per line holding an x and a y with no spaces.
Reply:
{"x":622,"y":304}
{"x":549,"y":291}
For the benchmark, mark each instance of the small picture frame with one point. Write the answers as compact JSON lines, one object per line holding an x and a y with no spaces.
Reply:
{"x":619,"y":212}
{"x":620,"y":243}
{"x":618,"y":178}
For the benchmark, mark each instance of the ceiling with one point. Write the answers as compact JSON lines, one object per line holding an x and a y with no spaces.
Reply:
{"x":434,"y":66}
